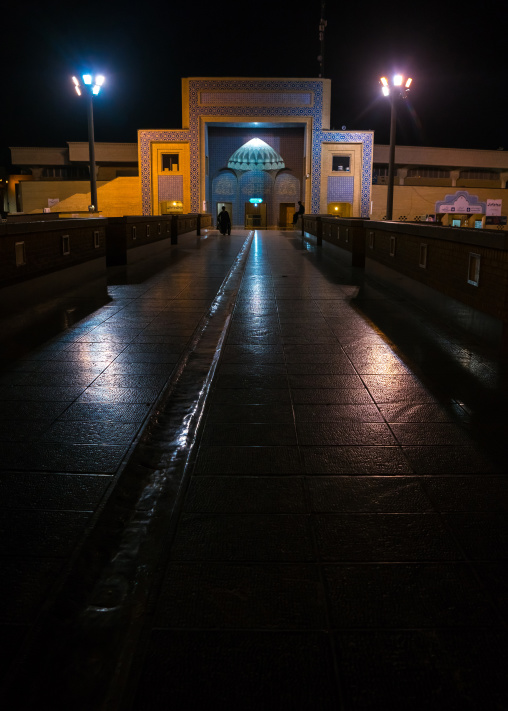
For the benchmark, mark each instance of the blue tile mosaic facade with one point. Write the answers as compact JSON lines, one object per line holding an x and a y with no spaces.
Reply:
{"x":289,"y":100}
{"x":340,"y":189}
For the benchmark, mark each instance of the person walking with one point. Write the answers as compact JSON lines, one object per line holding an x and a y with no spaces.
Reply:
{"x":224,"y":221}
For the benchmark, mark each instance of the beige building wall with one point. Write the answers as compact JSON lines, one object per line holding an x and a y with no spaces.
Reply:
{"x":118,"y":197}
{"x":411,"y":201}
{"x":182,"y":170}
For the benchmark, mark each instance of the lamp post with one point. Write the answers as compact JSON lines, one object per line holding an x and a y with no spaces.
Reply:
{"x":91,"y":87}
{"x":398,"y":87}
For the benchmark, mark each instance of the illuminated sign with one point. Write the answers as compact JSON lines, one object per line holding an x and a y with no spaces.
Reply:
{"x":255,"y":201}
{"x":462,"y":203}
{"x":494,"y":207}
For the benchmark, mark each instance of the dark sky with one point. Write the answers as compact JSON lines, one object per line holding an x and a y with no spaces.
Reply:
{"x":456,"y":56}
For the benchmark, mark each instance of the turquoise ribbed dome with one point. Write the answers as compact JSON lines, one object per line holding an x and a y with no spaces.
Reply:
{"x":256,"y":155}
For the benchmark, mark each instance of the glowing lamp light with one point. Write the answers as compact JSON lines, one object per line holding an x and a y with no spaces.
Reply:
{"x":398,"y":87}
{"x":93,"y":87}
{"x":398,"y":82}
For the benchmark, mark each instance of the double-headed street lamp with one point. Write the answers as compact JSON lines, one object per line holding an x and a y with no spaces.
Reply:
{"x":91,"y":87}
{"x":397,"y":87}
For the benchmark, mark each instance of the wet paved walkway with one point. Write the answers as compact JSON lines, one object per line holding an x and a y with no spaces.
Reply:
{"x":337,"y":536}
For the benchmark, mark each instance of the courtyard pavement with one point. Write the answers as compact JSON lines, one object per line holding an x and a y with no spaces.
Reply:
{"x":252,"y":478}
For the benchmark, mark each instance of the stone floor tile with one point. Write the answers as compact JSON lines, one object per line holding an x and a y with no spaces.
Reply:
{"x":246,"y":494}
{"x":373,"y":494}
{"x":438,"y":669}
{"x":24,"y":585}
{"x":59,"y":457}
{"x":330,"y":396}
{"x":449,"y":460}
{"x":272,"y":412}
{"x":430,"y":433}
{"x":248,"y":460}
{"x":29,"y":532}
{"x":243,"y":537}
{"x":38,"y":490}
{"x":384,"y":538}
{"x":341,"y":411}
{"x":355,"y":460}
{"x":419,"y":412}
{"x":407,"y":595}
{"x":247,"y":596}
{"x":482,"y":536}
{"x":251,"y":396}
{"x":292,"y":670}
{"x":467,"y":493}
{"x":344,"y":432}
{"x":248,"y":435}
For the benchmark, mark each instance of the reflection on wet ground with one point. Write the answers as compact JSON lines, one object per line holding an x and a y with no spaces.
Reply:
{"x":23,"y":331}
{"x":255,"y":478}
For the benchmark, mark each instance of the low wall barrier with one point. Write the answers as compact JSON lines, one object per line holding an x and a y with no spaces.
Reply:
{"x":42,"y":257}
{"x":458,"y":273}
{"x":348,"y":234}
{"x":133,"y":238}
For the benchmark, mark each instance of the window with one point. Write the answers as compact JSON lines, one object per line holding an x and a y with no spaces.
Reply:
{"x":340,"y":163}
{"x":423,"y":256}
{"x":19,"y":248}
{"x":427,"y":173}
{"x":170,"y":161}
{"x":66,"y":244}
{"x":473,"y":272}
{"x":478,"y":175}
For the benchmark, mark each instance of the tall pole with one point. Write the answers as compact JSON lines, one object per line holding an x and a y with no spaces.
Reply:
{"x":391,"y":159}
{"x":322,"y":27}
{"x":91,"y":147}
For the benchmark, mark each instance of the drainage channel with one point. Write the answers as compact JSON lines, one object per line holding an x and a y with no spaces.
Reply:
{"x":82,"y":651}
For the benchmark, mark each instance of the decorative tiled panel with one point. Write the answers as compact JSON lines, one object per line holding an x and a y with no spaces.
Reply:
{"x":145,"y":139}
{"x":340,"y":189}
{"x":225,"y":189}
{"x":287,"y":188}
{"x":249,"y":98}
{"x":170,"y":187}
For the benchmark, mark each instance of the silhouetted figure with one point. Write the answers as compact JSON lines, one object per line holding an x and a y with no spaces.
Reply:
{"x":300,"y":211}
{"x":224,"y":221}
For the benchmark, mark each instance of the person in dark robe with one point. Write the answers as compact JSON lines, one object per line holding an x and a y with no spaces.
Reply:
{"x":300,"y":211}
{"x":224,"y":221}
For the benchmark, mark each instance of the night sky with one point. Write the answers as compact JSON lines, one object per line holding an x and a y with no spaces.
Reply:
{"x":457,"y":58}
